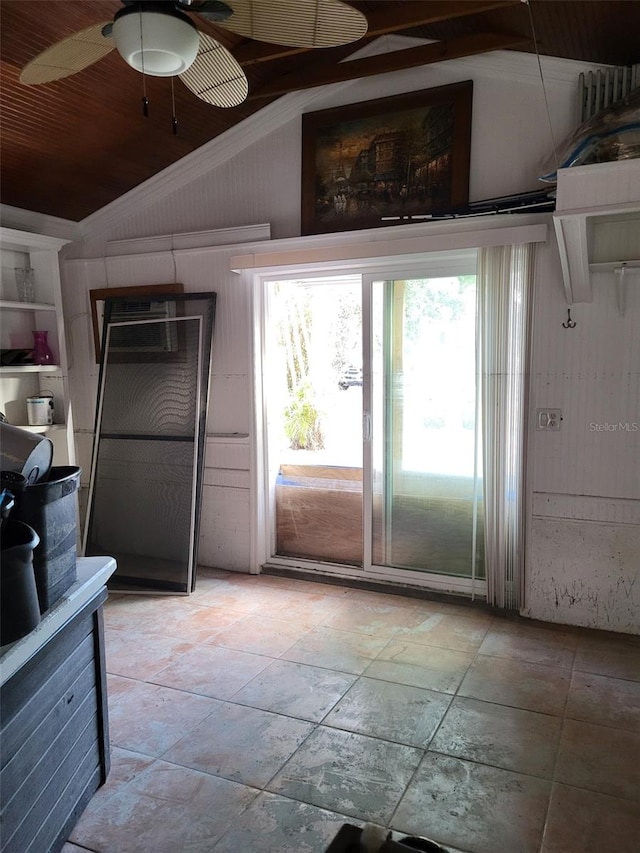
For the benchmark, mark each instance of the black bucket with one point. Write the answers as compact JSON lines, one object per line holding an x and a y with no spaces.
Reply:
{"x":51,"y":509}
{"x":19,"y":608}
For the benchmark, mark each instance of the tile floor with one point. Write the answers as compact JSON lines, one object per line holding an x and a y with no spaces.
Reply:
{"x":261,"y":713}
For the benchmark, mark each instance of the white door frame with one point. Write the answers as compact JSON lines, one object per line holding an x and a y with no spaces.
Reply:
{"x":429,"y":264}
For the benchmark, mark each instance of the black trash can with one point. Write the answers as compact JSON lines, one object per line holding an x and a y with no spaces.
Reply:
{"x":19,"y":608}
{"x":50,"y":507}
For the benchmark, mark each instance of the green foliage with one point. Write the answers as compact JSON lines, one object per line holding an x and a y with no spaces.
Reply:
{"x":302,"y":421}
{"x":423,"y":299}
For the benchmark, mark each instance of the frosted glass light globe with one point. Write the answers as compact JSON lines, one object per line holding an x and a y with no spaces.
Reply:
{"x":158,"y":44}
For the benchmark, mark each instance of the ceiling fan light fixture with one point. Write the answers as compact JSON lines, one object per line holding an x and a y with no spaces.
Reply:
{"x":156,"y":43}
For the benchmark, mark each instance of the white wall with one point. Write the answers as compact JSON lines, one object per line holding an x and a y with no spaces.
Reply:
{"x":252,"y":175}
{"x":583,"y":544}
{"x":225,"y":537}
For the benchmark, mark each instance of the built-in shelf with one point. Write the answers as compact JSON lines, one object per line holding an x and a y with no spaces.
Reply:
{"x":629,"y":267}
{"x":18,"y":382}
{"x":597,"y":223}
{"x":19,"y":369}
{"x":8,"y":305}
{"x":40,"y":430}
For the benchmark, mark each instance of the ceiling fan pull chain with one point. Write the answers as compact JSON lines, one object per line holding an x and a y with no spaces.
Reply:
{"x":145,"y":100}
{"x":174,"y":118}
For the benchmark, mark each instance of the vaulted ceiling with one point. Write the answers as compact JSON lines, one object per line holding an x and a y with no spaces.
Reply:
{"x":69,"y":147}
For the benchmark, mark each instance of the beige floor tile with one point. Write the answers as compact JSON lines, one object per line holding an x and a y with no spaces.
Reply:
{"x":600,"y":759}
{"x":582,"y":821}
{"x":165,"y":809}
{"x":263,"y":581}
{"x":334,"y":590}
{"x":212,"y":671}
{"x":374,"y":598}
{"x":207,"y":579}
{"x":260,"y":635}
{"x":381,"y":620}
{"x":530,"y":643}
{"x":348,"y":773}
{"x":393,"y":712}
{"x":446,"y":631}
{"x":209,"y":572}
{"x":240,"y":743}
{"x":248,"y":666}
{"x":534,"y":687}
{"x":138,"y":655}
{"x":149,"y":614}
{"x":125,"y":766}
{"x":274,"y":824}
{"x":510,"y":738}
{"x":467,"y":609}
{"x":295,"y":689}
{"x":118,"y":686}
{"x":474,"y":807}
{"x":618,"y":657}
{"x":333,"y":649}
{"x":149,"y":719}
{"x":230,"y":595}
{"x":202,"y":623}
{"x":420,"y":666}
{"x":606,"y":701}
{"x":303,"y":608}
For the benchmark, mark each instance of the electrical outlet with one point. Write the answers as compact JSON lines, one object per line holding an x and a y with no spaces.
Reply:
{"x":548,"y":419}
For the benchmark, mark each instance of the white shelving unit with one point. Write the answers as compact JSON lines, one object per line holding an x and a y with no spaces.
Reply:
{"x":19,"y":320}
{"x":597,"y":223}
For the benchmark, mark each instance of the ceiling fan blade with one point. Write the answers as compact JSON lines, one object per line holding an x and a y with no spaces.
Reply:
{"x":215,"y":76}
{"x":66,"y":57}
{"x":212,"y":10}
{"x":296,"y":23}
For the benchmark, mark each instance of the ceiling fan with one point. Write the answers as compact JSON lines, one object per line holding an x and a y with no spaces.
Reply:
{"x":156,"y":37}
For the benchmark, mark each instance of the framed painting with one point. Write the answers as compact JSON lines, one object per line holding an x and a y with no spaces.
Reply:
{"x":386,"y":161}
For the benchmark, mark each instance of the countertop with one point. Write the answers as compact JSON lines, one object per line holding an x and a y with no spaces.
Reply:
{"x":93,"y":573}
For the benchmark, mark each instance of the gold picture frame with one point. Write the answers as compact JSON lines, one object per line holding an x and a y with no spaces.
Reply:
{"x":385,"y":161}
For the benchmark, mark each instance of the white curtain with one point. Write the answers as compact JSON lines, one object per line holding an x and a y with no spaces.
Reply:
{"x":504,"y":281}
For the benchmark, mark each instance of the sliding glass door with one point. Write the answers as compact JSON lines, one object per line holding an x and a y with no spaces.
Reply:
{"x":313,"y":389}
{"x":370,"y":393}
{"x":426,"y":508}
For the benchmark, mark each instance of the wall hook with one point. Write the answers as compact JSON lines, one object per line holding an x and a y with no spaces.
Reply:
{"x":570,"y":324}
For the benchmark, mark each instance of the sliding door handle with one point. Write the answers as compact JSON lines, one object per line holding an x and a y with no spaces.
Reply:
{"x":366,"y":427}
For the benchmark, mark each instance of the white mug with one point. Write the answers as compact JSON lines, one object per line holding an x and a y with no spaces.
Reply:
{"x":40,"y":409}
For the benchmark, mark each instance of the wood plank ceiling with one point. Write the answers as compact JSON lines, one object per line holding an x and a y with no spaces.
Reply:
{"x":69,"y":147}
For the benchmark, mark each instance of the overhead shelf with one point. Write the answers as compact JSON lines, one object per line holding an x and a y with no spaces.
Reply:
{"x":597,"y":223}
